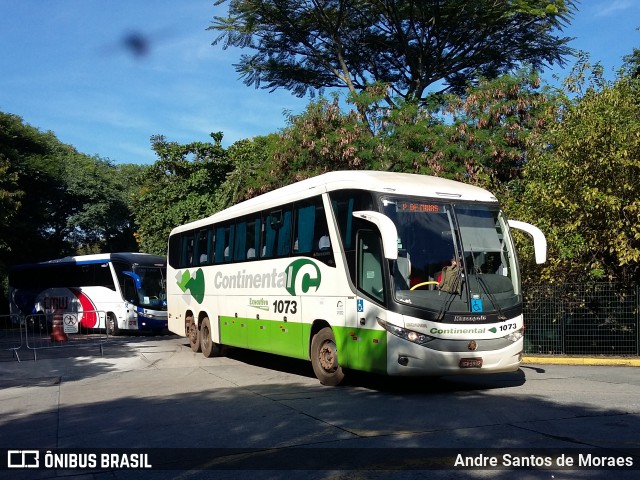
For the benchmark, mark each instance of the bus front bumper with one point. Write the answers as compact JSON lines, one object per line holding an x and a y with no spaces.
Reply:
{"x":409,"y":359}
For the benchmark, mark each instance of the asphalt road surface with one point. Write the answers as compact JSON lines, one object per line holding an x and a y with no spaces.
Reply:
{"x":152,"y":401}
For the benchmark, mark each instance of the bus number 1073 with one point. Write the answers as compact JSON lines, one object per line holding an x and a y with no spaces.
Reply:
{"x":285,"y":306}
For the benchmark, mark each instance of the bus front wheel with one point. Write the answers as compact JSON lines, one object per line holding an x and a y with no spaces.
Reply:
{"x":193,"y":335}
{"x":324,"y":358}
{"x":209,"y":347}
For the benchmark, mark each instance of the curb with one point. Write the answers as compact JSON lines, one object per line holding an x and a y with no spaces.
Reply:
{"x":625,"y":362}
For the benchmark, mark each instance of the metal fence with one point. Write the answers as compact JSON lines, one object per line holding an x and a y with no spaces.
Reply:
{"x":62,"y":329}
{"x":50,"y":331}
{"x":582,"y":319}
{"x":11,"y":335}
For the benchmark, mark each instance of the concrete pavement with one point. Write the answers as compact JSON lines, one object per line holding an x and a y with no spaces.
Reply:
{"x":154,"y":392}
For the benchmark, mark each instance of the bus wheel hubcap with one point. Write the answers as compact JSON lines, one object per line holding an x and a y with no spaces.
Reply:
{"x":328,"y":356}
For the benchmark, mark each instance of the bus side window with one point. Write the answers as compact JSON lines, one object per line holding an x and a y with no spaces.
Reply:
{"x":240,"y":244}
{"x":284,"y":235}
{"x":219,"y":244}
{"x":225,"y":243}
{"x":129,"y":291}
{"x":247,"y":239}
{"x":344,"y":203}
{"x":187,"y":250}
{"x":211,"y":245}
{"x":103,"y":277}
{"x":203,"y":253}
{"x":312,"y":232}
{"x":277,"y":238}
{"x":174,"y":251}
{"x":304,"y":228}
{"x":253,"y":237}
{"x":271,"y":225}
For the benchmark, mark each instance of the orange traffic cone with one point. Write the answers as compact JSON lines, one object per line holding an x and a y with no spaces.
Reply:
{"x":57,"y":329}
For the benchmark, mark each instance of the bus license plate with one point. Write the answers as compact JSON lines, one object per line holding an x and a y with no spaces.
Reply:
{"x":470,"y":362}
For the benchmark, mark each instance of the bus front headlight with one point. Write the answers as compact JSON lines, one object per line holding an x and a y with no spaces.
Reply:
{"x":515,"y":336}
{"x":409,"y":335}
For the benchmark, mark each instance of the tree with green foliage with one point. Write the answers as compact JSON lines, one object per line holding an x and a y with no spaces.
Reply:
{"x":480,"y":137}
{"x":581,"y":183}
{"x":10,"y":195}
{"x":56,"y":201}
{"x":323,"y":138}
{"x":632,"y":63}
{"x":250,"y":175}
{"x":181,"y":186}
{"x":409,"y":45}
{"x":99,"y":220}
{"x":33,"y":173}
{"x":59,"y":201}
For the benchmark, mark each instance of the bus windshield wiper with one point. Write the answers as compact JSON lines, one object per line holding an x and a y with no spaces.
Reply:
{"x":494,"y":302}
{"x":489,"y":294}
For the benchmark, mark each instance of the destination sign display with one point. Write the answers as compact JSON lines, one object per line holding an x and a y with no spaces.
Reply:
{"x":419,"y":207}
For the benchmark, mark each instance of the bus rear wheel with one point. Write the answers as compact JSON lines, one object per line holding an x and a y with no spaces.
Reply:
{"x":193,"y":335}
{"x":112,"y":325}
{"x":209,"y":347}
{"x":324,"y":358}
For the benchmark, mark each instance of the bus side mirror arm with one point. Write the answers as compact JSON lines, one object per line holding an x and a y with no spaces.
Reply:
{"x":539,"y":240}
{"x":387,"y":230}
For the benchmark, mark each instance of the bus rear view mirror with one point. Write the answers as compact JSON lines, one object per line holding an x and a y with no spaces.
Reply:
{"x":387,"y":230}
{"x":539,"y":240}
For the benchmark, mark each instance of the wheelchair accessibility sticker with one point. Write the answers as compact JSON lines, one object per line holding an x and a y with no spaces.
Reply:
{"x":476,"y":304}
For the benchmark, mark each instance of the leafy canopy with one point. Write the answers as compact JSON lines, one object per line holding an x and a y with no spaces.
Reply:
{"x":305,"y":45}
{"x":179,"y":187}
{"x":56,"y":200}
{"x":582,"y":180}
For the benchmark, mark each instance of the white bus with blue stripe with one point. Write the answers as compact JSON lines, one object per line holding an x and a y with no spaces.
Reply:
{"x":114,"y":291}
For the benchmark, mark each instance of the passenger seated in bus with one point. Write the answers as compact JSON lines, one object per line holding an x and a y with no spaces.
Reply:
{"x":451,"y":280}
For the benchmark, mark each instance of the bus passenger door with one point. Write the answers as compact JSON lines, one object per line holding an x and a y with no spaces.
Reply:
{"x":372,"y":296}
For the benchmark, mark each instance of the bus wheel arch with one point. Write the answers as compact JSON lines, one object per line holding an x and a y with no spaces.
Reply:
{"x":192,"y":332}
{"x":324,"y":355}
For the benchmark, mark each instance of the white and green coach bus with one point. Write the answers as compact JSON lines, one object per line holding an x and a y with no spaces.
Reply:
{"x":391,"y":273}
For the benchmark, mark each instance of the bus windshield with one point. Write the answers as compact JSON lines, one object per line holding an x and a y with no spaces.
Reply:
{"x":151,"y":287}
{"x":453,"y":257}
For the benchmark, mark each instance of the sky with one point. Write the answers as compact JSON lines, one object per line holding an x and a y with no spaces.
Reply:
{"x":68,"y":66}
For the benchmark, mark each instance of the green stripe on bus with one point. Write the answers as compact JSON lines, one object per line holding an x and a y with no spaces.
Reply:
{"x":358,"y":348}
{"x":272,"y":336}
{"x":362,"y":349}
